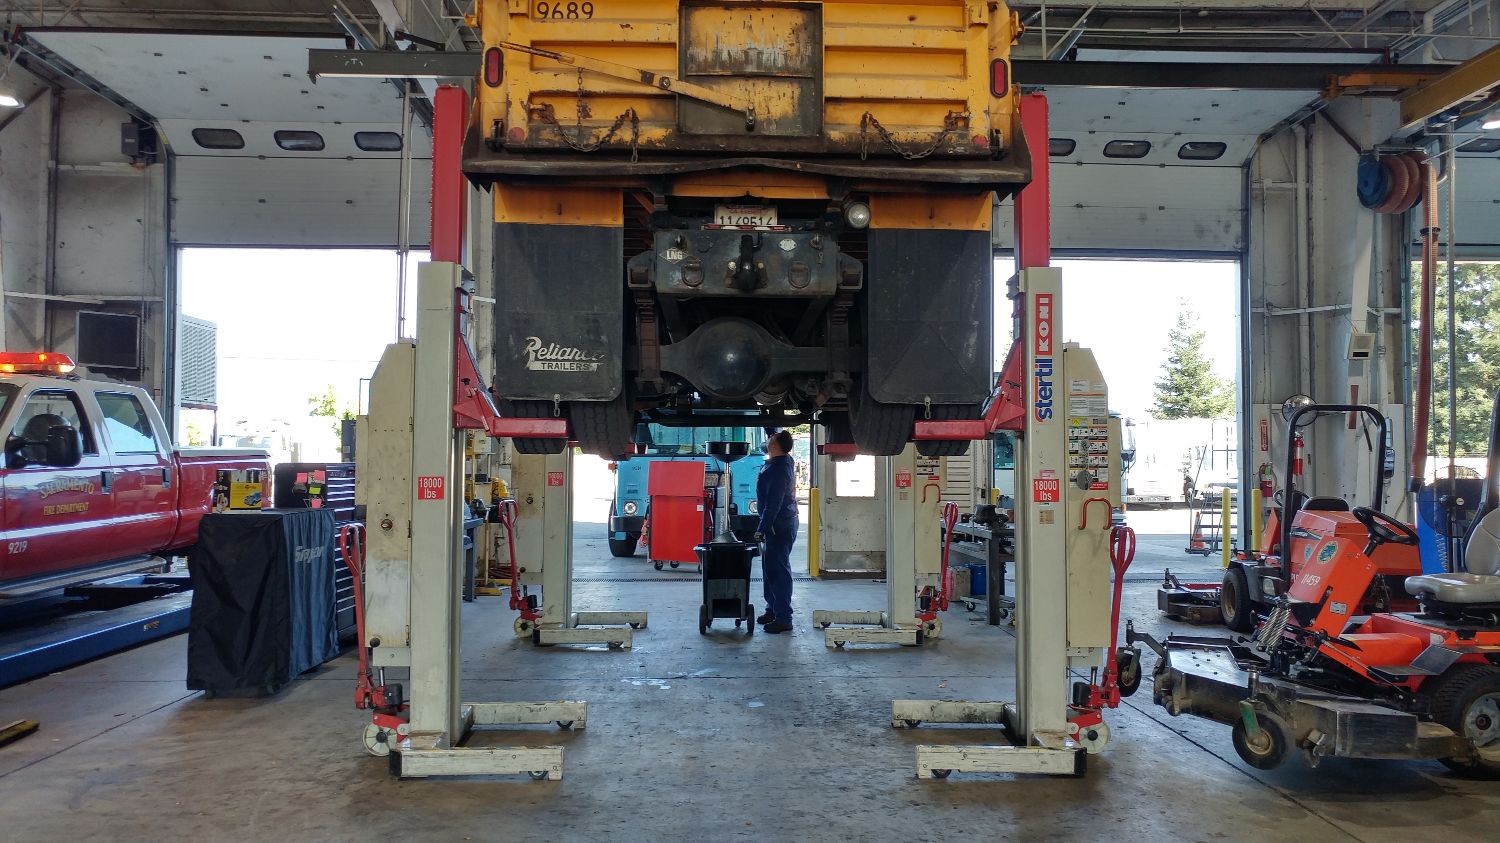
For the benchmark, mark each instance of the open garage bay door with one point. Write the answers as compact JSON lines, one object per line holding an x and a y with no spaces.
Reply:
{"x":1152,"y":171}
{"x":263,"y":156}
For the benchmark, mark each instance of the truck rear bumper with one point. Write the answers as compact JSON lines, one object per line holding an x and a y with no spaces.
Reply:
{"x":1005,"y":177}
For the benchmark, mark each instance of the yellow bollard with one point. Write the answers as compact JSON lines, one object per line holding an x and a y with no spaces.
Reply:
{"x":1255,"y":515}
{"x":814,"y":530}
{"x":1226,"y":540}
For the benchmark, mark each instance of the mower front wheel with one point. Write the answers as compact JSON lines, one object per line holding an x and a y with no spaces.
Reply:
{"x":1466,"y":699}
{"x":1268,"y":747}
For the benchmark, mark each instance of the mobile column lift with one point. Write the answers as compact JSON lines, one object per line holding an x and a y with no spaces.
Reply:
{"x":424,"y":397}
{"x":1067,"y":465}
{"x":916,"y":575}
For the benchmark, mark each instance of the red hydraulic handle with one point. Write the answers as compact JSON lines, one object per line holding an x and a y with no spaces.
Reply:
{"x":1083,"y":523}
{"x":352,"y":548}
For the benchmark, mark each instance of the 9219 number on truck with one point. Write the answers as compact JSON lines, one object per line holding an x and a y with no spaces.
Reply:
{"x":562,"y":11}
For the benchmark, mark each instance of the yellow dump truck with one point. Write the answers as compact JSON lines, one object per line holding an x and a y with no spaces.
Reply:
{"x":705,"y":208}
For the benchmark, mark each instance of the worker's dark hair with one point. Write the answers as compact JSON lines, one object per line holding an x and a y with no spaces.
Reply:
{"x":783,"y":440}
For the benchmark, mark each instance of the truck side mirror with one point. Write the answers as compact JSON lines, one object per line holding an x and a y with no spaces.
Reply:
{"x":64,"y":446}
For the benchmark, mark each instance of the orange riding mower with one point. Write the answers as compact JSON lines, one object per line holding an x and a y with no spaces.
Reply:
{"x":1322,"y":677}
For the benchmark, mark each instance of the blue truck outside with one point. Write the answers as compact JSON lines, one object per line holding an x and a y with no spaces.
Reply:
{"x":627,"y":513}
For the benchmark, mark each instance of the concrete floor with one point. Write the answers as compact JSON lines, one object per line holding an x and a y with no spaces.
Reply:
{"x":772,"y":738}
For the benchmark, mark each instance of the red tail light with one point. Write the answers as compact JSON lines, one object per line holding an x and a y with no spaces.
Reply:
{"x":494,"y":67}
{"x":999,"y":77}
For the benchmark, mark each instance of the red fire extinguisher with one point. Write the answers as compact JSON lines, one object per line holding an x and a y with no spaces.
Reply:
{"x":1267,"y":481}
{"x":1297,"y":444}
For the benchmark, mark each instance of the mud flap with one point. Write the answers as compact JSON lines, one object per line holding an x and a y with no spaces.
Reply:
{"x":560,"y":311}
{"x":928,"y":311}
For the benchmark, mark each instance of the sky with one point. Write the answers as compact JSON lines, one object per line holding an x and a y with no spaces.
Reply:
{"x":314,"y":318}
{"x":1123,"y":311}
{"x":321,"y":317}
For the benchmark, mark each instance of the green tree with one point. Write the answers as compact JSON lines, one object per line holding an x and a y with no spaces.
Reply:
{"x":326,"y":404}
{"x":1188,"y":387}
{"x":1477,"y":330}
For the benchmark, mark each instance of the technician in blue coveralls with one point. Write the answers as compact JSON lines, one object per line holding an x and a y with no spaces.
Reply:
{"x":776,"y":494}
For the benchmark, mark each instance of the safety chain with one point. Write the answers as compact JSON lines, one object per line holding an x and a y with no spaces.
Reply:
{"x":868,"y":122}
{"x":576,"y":143}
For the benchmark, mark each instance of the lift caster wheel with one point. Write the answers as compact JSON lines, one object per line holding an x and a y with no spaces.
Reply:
{"x":676,"y":564}
{"x":636,"y":625}
{"x":378,"y":740}
{"x":1093,"y":738}
{"x":969,"y":605}
{"x":658,"y":565}
{"x":911,"y":724}
{"x":824,"y":625}
{"x":839,"y":644}
{"x":564,"y":724}
{"x":941,"y":774}
{"x":523,"y":627}
{"x":538,"y":775}
{"x":617,"y":645}
{"x":933,"y":629}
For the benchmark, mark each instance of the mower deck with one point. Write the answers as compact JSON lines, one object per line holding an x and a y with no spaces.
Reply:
{"x":1217,"y":677}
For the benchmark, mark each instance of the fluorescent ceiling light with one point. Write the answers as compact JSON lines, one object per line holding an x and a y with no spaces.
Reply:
{"x":1491,"y":123}
{"x":9,"y":101}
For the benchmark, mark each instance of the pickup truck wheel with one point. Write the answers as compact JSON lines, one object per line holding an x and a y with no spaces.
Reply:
{"x":879,"y":429}
{"x":534,"y":410}
{"x":603,"y":428}
{"x":949,"y":447}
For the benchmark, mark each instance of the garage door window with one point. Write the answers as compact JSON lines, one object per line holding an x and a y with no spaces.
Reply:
{"x":218,"y":139}
{"x":378,"y":141}
{"x":299,"y":141}
{"x":127,"y":423}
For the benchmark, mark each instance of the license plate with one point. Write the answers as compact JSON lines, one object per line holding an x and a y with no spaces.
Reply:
{"x":744,"y":215}
{"x":566,"y":10}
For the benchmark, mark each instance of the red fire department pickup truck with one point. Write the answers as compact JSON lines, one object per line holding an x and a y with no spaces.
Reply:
{"x":92,"y":487}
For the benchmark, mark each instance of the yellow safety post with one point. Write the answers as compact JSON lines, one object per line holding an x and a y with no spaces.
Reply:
{"x":814,"y":530}
{"x":1226,"y":539}
{"x":1255,"y":515}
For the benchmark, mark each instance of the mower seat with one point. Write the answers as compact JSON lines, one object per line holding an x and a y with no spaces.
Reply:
{"x":1480,"y":584}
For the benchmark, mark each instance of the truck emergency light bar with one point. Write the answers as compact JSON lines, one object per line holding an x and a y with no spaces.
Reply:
{"x":35,"y":363}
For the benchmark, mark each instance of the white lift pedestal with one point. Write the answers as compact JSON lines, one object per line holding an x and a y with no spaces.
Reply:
{"x":410,"y":480}
{"x":913,"y":559}
{"x":1067,"y":472}
{"x":544,"y":558}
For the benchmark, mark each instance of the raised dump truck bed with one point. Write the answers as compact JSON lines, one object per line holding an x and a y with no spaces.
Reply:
{"x":714,"y":205}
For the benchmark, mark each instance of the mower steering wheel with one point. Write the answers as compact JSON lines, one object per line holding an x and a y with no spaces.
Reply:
{"x":1383,"y":528}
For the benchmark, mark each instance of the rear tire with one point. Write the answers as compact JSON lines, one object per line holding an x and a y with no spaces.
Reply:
{"x":603,"y":428}
{"x":1234,"y":600}
{"x":878,"y":429}
{"x":947,"y":447}
{"x":1466,"y":699}
{"x":534,"y":410}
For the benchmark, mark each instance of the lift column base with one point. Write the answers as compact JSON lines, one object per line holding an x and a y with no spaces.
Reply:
{"x":1046,"y":753}
{"x":613,"y":628}
{"x":429,"y":754}
{"x":840,"y":628}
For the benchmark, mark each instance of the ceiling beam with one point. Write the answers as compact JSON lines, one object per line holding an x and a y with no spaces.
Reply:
{"x":1229,"y":76}
{"x":1470,"y":80}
